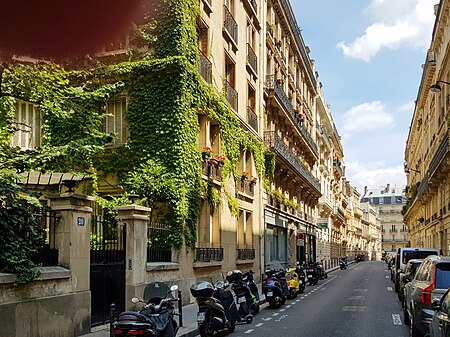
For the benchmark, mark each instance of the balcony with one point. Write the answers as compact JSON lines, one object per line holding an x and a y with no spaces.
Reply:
{"x":340,"y":213}
{"x":338,"y":167}
{"x":272,"y":84}
{"x":325,"y":136}
{"x":325,"y":205}
{"x":246,"y":254}
{"x":205,"y":68}
{"x":211,"y":170}
{"x":252,"y":59}
{"x":273,"y":141}
{"x":208,"y":254}
{"x":252,"y":118}
{"x":230,"y":25}
{"x":246,"y":187}
{"x":231,"y":95}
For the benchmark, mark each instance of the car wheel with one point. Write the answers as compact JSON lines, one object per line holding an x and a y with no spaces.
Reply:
{"x":413,"y":332}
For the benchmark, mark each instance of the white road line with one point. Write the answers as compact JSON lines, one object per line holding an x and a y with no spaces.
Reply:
{"x":389,"y":288}
{"x":267,"y":319}
{"x":288,"y":306}
{"x":259,"y":324}
{"x":281,"y":310}
{"x":249,"y":331}
{"x":396,"y":319}
{"x":276,"y":314}
{"x":386,"y":270}
{"x":387,"y":276}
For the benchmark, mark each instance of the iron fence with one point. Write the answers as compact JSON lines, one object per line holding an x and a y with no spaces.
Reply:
{"x":230,"y":24}
{"x":231,"y":94}
{"x":208,"y":254}
{"x":158,"y":248}
{"x":106,"y":241}
{"x":252,"y":118}
{"x":246,"y":254}
{"x":47,"y":254}
{"x":205,"y":67}
{"x":252,"y":59}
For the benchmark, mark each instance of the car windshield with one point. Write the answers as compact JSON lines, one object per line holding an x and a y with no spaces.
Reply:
{"x":416,"y":254}
{"x":443,"y":275}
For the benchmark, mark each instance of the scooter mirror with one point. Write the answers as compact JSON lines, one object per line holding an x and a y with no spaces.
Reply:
{"x":135,"y":300}
{"x":174,"y":288}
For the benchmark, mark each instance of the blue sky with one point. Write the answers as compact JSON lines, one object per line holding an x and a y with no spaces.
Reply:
{"x":369,"y":55}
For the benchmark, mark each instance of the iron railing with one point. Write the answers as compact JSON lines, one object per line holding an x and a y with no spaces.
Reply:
{"x":252,"y":118}
{"x":205,"y":67}
{"x":208,"y":254}
{"x":273,"y":141}
{"x":107,"y":244}
{"x":272,"y":84}
{"x":298,"y":38}
{"x":231,"y":94}
{"x":246,"y":187}
{"x":211,"y":170}
{"x":158,"y":246}
{"x":246,"y":254}
{"x":439,"y":155}
{"x":47,"y":254}
{"x":230,"y":24}
{"x":252,"y":59}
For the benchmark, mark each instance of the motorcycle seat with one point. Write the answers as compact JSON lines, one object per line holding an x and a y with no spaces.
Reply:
{"x":133,"y":316}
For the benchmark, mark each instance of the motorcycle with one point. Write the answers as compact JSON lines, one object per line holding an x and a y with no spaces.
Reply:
{"x":248,"y":279}
{"x":312,"y":274}
{"x":301,"y":277}
{"x":275,"y":288}
{"x":343,"y":264}
{"x":321,"y":270}
{"x":243,"y":294}
{"x":217,"y":310}
{"x":155,"y":319}
{"x":293,"y":282}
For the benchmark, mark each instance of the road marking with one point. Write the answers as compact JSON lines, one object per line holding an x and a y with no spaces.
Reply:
{"x":360,"y":290}
{"x":396,"y":319}
{"x":276,"y":314}
{"x":281,"y":317}
{"x":288,"y":306}
{"x":249,"y":331}
{"x":294,"y":303}
{"x":281,"y":310}
{"x":389,"y":288}
{"x":267,"y":319}
{"x":356,"y":298}
{"x":387,"y":276}
{"x":299,"y":299}
{"x":354,"y":308}
{"x":259,"y":324}
{"x":386,"y":270}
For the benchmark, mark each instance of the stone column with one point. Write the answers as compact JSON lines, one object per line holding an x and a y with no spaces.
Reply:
{"x":72,"y":236}
{"x":135,"y":219}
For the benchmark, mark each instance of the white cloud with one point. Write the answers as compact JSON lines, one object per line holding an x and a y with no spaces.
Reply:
{"x":374,"y":175}
{"x":399,"y":23}
{"x":366,"y":116}
{"x":408,"y":107}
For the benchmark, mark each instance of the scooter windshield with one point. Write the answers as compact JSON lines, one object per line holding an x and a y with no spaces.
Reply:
{"x":155,"y":292}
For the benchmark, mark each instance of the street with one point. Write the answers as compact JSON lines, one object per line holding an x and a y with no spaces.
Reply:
{"x":355,"y":302}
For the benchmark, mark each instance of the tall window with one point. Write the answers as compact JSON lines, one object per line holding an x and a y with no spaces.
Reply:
{"x":115,"y":121}
{"x":27,"y":124}
{"x":245,"y":230}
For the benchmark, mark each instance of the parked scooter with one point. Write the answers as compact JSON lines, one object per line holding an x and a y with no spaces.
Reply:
{"x":275,"y":288}
{"x":217,"y":310}
{"x":248,"y":279}
{"x":301,"y":276}
{"x":321,"y":270}
{"x":343,"y":264}
{"x":155,"y":319}
{"x":243,"y":294}
{"x":312,"y":274}
{"x":292,"y":282}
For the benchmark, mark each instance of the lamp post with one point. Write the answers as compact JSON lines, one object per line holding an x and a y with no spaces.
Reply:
{"x":436,"y":88}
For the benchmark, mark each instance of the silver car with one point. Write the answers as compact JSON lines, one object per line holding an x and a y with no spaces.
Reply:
{"x":431,"y":281}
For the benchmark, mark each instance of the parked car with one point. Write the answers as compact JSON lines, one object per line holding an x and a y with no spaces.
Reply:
{"x":406,"y":254}
{"x":391,"y":267}
{"x":440,"y":324}
{"x":431,"y":281}
{"x":410,"y":271}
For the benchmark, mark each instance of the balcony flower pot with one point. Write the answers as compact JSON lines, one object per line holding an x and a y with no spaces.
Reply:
{"x":244,"y":176}
{"x":220,"y":161}
{"x":206,"y":153}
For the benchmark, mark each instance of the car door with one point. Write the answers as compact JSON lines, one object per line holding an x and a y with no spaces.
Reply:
{"x":440,"y":326}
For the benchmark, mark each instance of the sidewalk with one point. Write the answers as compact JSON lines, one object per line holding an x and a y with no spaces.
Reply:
{"x":189,"y":328}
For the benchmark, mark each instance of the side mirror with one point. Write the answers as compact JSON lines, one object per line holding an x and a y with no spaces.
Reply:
{"x":405,"y":278}
{"x":174,"y":288}
{"x":135,"y":300}
{"x":435,"y":303}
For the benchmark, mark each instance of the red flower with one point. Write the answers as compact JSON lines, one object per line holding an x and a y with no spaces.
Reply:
{"x":221,"y":158}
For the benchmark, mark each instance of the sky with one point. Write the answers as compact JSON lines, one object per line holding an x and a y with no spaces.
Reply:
{"x":369,"y":55}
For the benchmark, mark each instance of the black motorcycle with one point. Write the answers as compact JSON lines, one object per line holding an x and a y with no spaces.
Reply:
{"x":275,"y":288}
{"x":248,"y":303}
{"x":343,"y":264}
{"x":155,"y":319}
{"x":217,"y":310}
{"x":312,"y":274}
{"x":321,"y":271}
{"x":301,"y":277}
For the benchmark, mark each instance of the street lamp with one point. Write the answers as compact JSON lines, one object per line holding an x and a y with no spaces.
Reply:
{"x":436,"y":88}
{"x":408,"y":169}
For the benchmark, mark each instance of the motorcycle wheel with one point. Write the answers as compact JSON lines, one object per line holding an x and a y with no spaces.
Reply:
{"x":232,"y":326}
{"x":326,"y":275}
{"x":272,"y":304}
{"x":204,"y":331}
{"x":255,"y":309}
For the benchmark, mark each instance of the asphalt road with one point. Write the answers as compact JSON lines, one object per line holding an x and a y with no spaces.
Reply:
{"x":357,"y":302}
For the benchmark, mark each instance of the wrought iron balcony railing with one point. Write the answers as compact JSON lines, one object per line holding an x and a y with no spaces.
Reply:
{"x":252,"y":118}
{"x":205,"y":67}
{"x":272,"y":84}
{"x":230,"y":24}
{"x":252,"y":59}
{"x":246,"y":254}
{"x":232,"y":95}
{"x":273,"y":141}
{"x":208,"y":254}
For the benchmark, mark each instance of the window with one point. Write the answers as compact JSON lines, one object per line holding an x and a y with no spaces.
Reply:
{"x":27,"y":124}
{"x":387,"y":200}
{"x":209,"y":226}
{"x":115,"y":121}
{"x":245,"y":230}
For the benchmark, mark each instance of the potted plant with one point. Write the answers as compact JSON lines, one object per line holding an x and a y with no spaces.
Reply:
{"x":244,"y":176}
{"x":220,"y":160}
{"x":253,"y":180}
{"x":206,"y":153}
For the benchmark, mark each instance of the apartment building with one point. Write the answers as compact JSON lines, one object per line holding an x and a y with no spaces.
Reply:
{"x":389,"y":202}
{"x":426,"y":154}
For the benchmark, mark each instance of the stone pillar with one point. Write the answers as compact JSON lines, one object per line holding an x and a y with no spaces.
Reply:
{"x":135,"y":219}
{"x":72,"y":236}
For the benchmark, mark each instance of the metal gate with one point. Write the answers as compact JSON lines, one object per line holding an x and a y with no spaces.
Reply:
{"x":107,"y":279}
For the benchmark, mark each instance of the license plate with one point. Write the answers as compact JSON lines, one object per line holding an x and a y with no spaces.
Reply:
{"x":309,"y":276}
{"x":241,"y":299}
{"x":201,"y":316}
{"x":300,"y":281}
{"x":269,"y":294}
